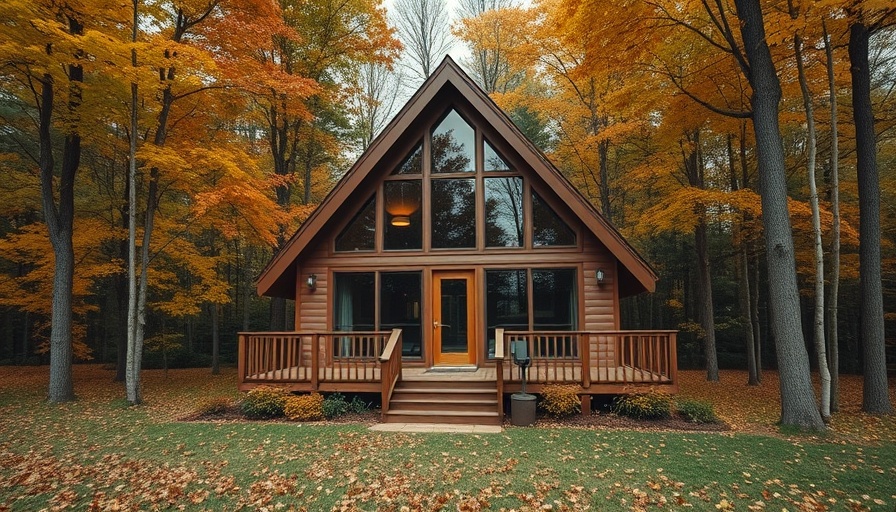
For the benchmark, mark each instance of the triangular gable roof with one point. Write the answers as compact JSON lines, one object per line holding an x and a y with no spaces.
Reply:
{"x":278,"y":278}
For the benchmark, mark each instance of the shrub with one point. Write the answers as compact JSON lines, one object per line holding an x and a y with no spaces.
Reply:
{"x":334,"y":405}
{"x":304,"y":407}
{"x":214,"y":406}
{"x":264,"y":402}
{"x":696,"y":411}
{"x":650,"y":405}
{"x":560,"y":400}
{"x":357,"y":405}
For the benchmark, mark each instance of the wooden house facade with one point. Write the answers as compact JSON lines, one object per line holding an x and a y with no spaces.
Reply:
{"x":451,"y":237}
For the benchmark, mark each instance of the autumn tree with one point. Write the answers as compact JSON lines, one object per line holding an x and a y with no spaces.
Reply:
{"x":866,"y":20}
{"x":797,"y":396}
{"x":43,"y":57}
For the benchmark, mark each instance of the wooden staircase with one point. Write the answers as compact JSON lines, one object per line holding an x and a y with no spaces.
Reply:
{"x":448,"y":401}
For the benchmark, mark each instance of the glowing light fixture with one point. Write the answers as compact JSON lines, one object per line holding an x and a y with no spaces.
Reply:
{"x":401,"y":221}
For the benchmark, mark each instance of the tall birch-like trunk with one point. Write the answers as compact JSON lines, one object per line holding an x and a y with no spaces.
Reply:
{"x":818,"y":313}
{"x":875,"y":396}
{"x":798,"y":407}
{"x":132,"y":377}
{"x":832,"y":337}
{"x":743,"y":274}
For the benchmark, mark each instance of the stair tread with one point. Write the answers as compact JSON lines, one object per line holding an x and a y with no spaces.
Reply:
{"x":444,"y":401}
{"x":463,"y":391}
{"x":442,"y":413}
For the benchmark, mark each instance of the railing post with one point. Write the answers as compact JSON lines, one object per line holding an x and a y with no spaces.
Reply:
{"x":499,"y":369}
{"x":673,"y":355}
{"x":585,"y":356}
{"x":315,"y":361}
{"x":242,"y":354}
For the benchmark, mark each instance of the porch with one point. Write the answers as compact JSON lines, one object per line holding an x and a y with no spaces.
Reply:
{"x":600,"y":362}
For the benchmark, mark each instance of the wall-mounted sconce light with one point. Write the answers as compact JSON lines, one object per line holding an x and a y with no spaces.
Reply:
{"x":401,"y":221}
{"x":599,"y":276}
{"x":311,"y":282}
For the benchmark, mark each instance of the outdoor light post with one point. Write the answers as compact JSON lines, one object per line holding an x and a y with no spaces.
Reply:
{"x":522,"y":405}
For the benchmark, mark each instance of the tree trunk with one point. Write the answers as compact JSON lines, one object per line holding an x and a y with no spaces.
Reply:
{"x":875,"y":397}
{"x":834,"y":287}
{"x":818,"y":312}
{"x":704,"y":301}
{"x":60,"y":223}
{"x":216,"y":341}
{"x":603,"y":149}
{"x":797,"y":396}
{"x":134,"y":348}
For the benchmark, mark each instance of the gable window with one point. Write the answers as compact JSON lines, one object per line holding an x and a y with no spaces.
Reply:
{"x":413,"y":163}
{"x":360,"y":234}
{"x":548,"y":229}
{"x":492,"y":160}
{"x":404,"y":218}
{"x":504,"y":226}
{"x":453,"y":213}
{"x":453,"y":146}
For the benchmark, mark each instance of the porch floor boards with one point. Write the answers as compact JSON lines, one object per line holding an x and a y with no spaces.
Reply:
{"x":603,"y":375}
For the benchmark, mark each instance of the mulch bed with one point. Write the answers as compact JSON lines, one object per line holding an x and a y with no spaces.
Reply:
{"x":597,"y":421}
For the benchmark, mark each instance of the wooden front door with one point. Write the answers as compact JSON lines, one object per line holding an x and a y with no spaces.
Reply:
{"x":454,"y":315}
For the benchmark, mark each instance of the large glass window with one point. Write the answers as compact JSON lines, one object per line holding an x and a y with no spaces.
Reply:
{"x":360,"y":234}
{"x":453,"y":146}
{"x":507,"y":303}
{"x":413,"y":163}
{"x":493,"y":161}
{"x":400,"y":308}
{"x":354,"y":301}
{"x":403,"y":217}
{"x":504,"y":225}
{"x":547,"y":227}
{"x":453,"y":213}
{"x":554,"y":303}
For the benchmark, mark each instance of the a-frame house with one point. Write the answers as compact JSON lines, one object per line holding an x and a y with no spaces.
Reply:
{"x":449,"y":239}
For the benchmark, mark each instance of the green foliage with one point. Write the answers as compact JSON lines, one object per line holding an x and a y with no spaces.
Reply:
{"x":308,"y":407}
{"x":335,"y":405}
{"x":560,"y":400}
{"x":214,"y":406}
{"x":696,"y":411}
{"x":358,"y":406}
{"x":264,"y":402}
{"x":650,"y":405}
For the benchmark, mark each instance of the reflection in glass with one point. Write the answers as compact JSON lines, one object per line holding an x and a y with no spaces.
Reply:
{"x":360,"y":234}
{"x":453,"y":146}
{"x":354,"y":301}
{"x":413,"y":164}
{"x":504,"y":212}
{"x":454,"y":316}
{"x":400,"y":308}
{"x":403,"y":224}
{"x":554,"y":299}
{"x":493,"y":161}
{"x":547,"y":227}
{"x":453,"y":213}
{"x":507,"y":303}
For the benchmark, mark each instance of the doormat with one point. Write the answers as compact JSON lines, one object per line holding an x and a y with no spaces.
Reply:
{"x":451,"y":369}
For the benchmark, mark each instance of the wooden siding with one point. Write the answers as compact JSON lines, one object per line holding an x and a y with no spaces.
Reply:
{"x":601,"y":308}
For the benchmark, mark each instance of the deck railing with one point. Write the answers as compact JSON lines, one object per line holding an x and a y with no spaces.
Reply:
{"x":595,"y":357}
{"x":390,"y":362}
{"x":310,"y":357}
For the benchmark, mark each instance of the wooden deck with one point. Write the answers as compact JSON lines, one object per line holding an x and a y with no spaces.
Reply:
{"x":600,"y":362}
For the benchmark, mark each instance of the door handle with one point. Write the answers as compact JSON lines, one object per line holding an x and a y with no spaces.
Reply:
{"x":436,"y":325}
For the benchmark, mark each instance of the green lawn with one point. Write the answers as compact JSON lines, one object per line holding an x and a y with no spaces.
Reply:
{"x":99,"y":453}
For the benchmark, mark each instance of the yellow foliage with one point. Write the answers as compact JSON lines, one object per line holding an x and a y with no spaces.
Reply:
{"x":560,"y":400}
{"x":304,"y":407}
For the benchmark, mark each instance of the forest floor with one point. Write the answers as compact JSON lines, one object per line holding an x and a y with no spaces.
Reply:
{"x":97,"y":453}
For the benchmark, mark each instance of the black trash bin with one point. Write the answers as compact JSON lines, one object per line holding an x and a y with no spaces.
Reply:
{"x":522,"y":409}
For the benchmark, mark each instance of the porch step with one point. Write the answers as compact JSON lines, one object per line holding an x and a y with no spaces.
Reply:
{"x":444,"y":401}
